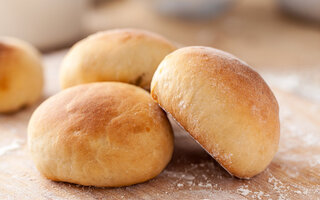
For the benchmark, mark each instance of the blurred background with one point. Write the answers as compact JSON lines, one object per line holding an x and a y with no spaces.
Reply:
{"x":279,"y":38}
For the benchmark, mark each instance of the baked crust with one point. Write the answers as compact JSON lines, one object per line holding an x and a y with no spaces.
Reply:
{"x":101,"y":134}
{"x":124,"y":55}
{"x":223,"y":103}
{"x":21,"y":74}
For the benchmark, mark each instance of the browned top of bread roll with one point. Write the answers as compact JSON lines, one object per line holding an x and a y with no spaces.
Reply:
{"x":21,"y":78}
{"x":124,"y":55}
{"x":223,"y":103}
{"x":102,"y":134}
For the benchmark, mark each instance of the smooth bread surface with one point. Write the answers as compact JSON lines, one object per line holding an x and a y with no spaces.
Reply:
{"x":124,"y":55}
{"x":21,"y":74}
{"x":224,"y":104}
{"x":100,"y":134}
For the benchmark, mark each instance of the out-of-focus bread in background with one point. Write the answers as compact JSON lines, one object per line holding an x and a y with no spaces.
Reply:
{"x":21,"y":76}
{"x":308,"y":9}
{"x":46,"y":24}
{"x":192,"y":9}
{"x":124,"y":55}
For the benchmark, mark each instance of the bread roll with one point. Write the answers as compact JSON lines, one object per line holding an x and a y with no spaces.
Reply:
{"x":224,"y":104}
{"x":21,"y":76}
{"x":100,"y":134}
{"x":124,"y":55}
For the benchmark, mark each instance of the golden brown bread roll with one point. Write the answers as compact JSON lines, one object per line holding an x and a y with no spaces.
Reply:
{"x":21,"y":76}
{"x":124,"y":55}
{"x":224,"y":104}
{"x":101,"y":134}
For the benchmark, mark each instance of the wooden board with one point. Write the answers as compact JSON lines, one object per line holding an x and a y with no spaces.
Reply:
{"x":192,"y":173}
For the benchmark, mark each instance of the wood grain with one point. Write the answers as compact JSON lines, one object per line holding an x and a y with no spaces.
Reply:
{"x":192,"y":173}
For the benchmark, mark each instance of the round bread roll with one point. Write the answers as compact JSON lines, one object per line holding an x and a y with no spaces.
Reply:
{"x":224,"y":104}
{"x":100,"y":134}
{"x":124,"y":55}
{"x":21,"y":76}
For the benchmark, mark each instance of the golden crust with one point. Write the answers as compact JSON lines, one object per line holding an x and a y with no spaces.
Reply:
{"x":124,"y":55}
{"x":21,"y":76}
{"x":224,"y":104}
{"x":102,"y":134}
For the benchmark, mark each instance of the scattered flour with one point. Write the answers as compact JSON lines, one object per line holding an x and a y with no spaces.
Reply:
{"x":188,"y":177}
{"x":13,"y":146}
{"x":180,"y":185}
{"x":182,"y":104}
{"x":206,"y":185}
{"x":243,"y":190}
{"x":258,"y":195}
{"x":278,"y":187}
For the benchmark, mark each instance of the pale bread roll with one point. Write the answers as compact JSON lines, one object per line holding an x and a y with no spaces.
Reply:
{"x":124,"y":55}
{"x":224,"y":104}
{"x":100,"y":134}
{"x":21,"y":75}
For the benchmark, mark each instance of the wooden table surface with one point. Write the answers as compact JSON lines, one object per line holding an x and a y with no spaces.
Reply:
{"x":287,"y":54}
{"x":192,"y":173}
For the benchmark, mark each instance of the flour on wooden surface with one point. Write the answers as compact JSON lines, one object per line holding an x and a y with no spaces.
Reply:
{"x":243,"y":191}
{"x":16,"y":144}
